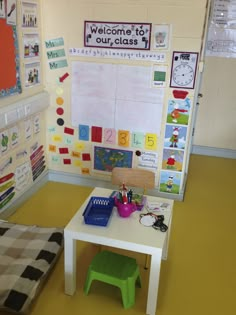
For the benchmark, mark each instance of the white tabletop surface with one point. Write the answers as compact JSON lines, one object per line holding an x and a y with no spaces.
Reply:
{"x":127,"y":233}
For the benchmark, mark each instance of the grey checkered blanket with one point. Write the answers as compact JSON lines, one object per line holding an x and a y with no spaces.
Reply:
{"x":27,"y":254}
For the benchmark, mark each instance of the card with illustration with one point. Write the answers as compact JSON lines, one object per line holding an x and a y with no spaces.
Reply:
{"x":32,"y":74}
{"x":175,"y":137}
{"x":5,"y":143}
{"x":170,"y":182}
{"x":31,"y":45}
{"x":173,"y":160}
{"x":178,"y":111}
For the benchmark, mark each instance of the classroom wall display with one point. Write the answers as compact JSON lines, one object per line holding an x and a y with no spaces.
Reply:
{"x":9,"y":53}
{"x":22,"y":158}
{"x":106,"y":53}
{"x":120,"y":98}
{"x":117,"y":35}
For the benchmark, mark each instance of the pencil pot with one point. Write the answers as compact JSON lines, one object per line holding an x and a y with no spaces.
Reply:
{"x":125,"y":209}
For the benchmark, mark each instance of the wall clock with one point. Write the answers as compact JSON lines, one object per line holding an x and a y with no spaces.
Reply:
{"x":183,"y":70}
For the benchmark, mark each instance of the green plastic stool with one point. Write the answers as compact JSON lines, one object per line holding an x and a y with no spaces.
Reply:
{"x":115,"y":269}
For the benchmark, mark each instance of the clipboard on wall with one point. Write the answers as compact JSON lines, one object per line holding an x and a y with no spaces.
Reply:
{"x":9,"y":60}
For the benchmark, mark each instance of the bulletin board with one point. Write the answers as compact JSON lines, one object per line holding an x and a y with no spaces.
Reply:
{"x":9,"y":60}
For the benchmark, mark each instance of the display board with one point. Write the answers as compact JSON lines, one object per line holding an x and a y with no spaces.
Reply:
{"x":9,"y":54}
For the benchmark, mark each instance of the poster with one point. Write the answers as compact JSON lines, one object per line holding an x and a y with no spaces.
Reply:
{"x":221,"y":41}
{"x":105,"y":159}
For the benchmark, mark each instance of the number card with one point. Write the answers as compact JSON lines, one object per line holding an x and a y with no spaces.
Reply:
{"x":96,"y":134}
{"x":109,"y":136}
{"x":151,"y":141}
{"x":123,"y":138}
{"x":84,"y":132}
{"x":138,"y":140}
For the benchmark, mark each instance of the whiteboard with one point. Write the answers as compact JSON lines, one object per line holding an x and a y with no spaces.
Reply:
{"x":115,"y":96}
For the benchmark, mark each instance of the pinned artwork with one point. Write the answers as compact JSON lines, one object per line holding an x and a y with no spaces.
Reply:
{"x":170,"y":182}
{"x":178,"y":111}
{"x":32,"y":74}
{"x":173,"y":160}
{"x":31,"y":45}
{"x":175,"y":137}
{"x":161,"y":36}
{"x":29,"y":15}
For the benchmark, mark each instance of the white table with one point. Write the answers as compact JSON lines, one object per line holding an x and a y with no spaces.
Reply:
{"x":125,"y":233}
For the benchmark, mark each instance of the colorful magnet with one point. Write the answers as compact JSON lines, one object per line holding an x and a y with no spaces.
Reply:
{"x":60,"y":111}
{"x":60,"y":122}
{"x":60,"y":101}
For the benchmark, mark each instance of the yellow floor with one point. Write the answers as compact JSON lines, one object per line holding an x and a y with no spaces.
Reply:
{"x":199,"y":277}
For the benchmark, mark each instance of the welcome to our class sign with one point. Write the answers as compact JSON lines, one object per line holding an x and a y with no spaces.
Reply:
{"x":117,"y":35}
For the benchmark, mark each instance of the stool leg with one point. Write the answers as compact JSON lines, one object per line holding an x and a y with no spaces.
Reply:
{"x":88,"y":282}
{"x":138,"y":281}
{"x":127,"y":292}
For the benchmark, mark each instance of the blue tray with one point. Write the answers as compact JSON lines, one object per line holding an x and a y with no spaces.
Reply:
{"x":98,"y":211}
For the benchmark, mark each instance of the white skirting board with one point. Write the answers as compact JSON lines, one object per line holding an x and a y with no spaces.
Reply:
{"x":210,"y":151}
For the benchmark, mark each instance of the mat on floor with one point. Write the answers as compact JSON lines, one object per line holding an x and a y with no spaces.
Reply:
{"x":27,"y":254}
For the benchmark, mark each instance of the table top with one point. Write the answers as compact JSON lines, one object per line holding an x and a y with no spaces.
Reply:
{"x":127,"y":233}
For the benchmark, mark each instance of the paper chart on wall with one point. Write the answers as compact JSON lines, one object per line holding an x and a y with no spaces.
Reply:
{"x":115,"y":96}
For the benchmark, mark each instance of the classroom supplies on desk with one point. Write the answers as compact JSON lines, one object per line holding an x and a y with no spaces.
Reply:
{"x":98,"y":211}
{"x":137,"y":199}
{"x":157,"y":206}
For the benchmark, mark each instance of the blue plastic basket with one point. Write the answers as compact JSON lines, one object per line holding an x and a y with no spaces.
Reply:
{"x":98,"y":211}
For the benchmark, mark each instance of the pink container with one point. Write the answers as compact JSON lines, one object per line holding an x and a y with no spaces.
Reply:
{"x":125,"y":209}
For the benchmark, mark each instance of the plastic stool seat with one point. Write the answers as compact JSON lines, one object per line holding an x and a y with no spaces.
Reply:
{"x":115,"y":269}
